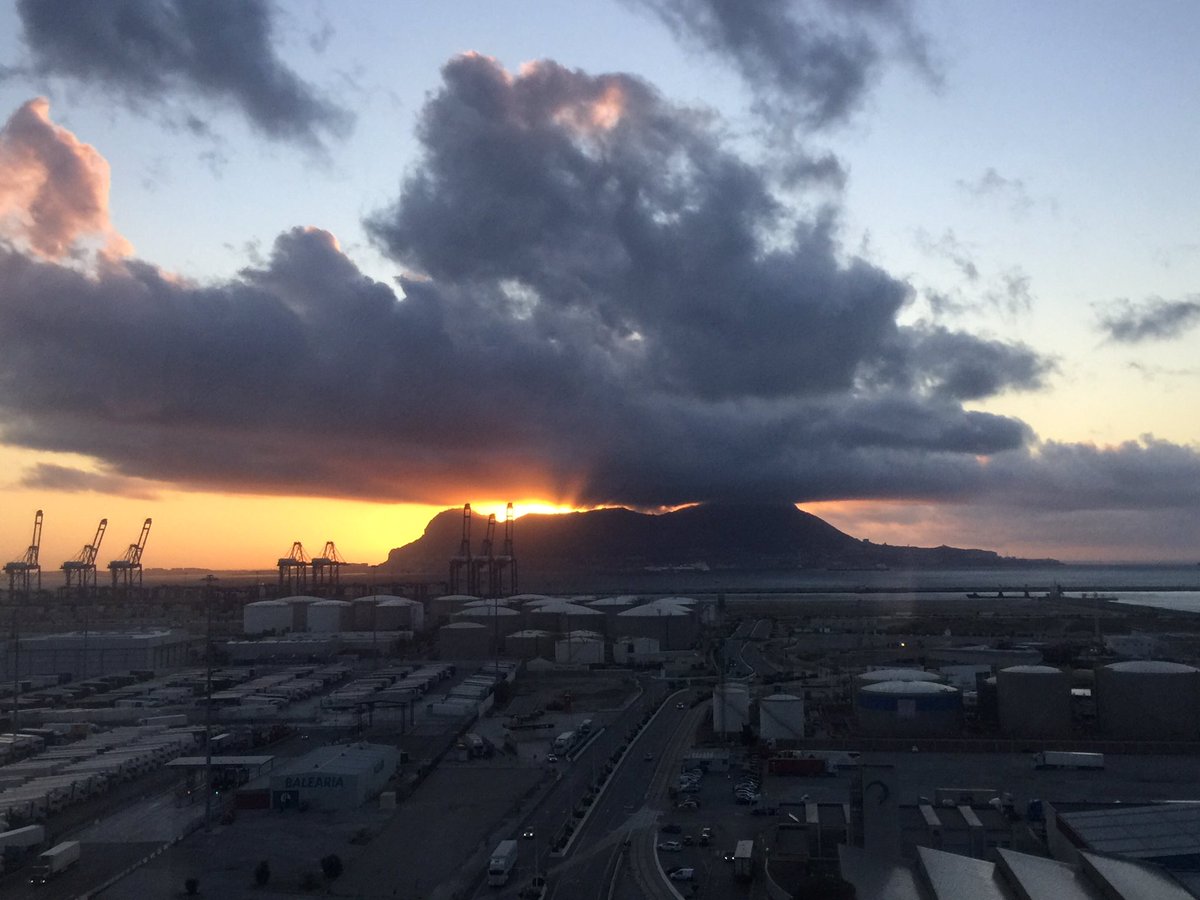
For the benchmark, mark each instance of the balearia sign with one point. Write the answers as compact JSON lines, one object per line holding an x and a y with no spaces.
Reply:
{"x":293,"y":782}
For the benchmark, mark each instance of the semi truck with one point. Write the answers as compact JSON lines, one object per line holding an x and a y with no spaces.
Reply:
{"x":564,"y":742}
{"x":1062,"y":759}
{"x":500,"y":866}
{"x":51,"y":862}
{"x":743,"y":860}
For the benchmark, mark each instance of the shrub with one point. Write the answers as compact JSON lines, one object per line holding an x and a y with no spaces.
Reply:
{"x":262,"y":873}
{"x":331,"y":865}
{"x":191,"y":886}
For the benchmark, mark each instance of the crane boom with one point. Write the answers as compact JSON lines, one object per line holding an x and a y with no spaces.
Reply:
{"x":135,"y":550}
{"x":31,"y":555}
{"x":87,"y":555}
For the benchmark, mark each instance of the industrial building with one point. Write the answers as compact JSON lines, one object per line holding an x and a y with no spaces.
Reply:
{"x":340,"y":776}
{"x":781,"y":718}
{"x":82,"y":654}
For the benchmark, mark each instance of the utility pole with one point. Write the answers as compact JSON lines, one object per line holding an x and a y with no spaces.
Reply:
{"x":208,"y":583}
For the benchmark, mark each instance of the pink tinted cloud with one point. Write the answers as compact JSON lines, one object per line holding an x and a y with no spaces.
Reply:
{"x":53,"y":188}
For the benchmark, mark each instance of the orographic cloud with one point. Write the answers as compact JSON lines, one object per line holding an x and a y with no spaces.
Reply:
{"x":147,"y":52}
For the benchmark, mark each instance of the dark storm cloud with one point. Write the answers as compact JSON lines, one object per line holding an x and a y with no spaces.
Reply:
{"x":608,"y":306}
{"x":46,"y":476}
{"x":808,"y":62}
{"x":1154,"y":319}
{"x":147,"y":51}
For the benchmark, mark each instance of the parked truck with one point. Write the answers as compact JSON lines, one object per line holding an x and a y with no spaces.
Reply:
{"x":743,"y":860}
{"x":1062,"y":759}
{"x":500,"y":866}
{"x":52,"y":862}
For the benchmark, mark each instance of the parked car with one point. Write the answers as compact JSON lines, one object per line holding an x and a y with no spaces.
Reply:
{"x":683,"y":874}
{"x":648,"y":757}
{"x":670,"y":846}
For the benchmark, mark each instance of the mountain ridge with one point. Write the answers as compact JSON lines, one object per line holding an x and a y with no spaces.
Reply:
{"x":719,"y":535}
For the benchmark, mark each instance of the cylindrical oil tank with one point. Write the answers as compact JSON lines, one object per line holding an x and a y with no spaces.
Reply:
{"x":263,"y":616}
{"x":731,"y":707}
{"x":988,"y":706}
{"x":673,"y":626}
{"x":781,"y":717}
{"x":362,"y":613}
{"x":299,"y":605}
{"x":329,"y":616}
{"x":1034,"y":701}
{"x":909,"y":709}
{"x":530,"y":643}
{"x":1149,"y":700}
{"x":442,"y":608}
{"x":579,"y":651}
{"x":878,"y":676}
{"x":500,"y":619}
{"x":398,"y":614}
{"x":464,"y":640}
{"x":561,"y":616}
{"x":610,"y":608}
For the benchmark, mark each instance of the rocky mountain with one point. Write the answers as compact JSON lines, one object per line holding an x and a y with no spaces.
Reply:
{"x":728,"y":536}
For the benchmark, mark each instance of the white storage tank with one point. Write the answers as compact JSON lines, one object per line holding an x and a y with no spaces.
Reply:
{"x":731,"y":707}
{"x":561,"y":616}
{"x":529,"y":643}
{"x":579,"y":651}
{"x":263,"y":616}
{"x":329,"y":616}
{"x":500,"y":620}
{"x":442,"y":608}
{"x":362,"y":613}
{"x":1149,"y":700}
{"x":465,"y":640}
{"x":909,"y":709}
{"x":781,"y":717}
{"x":399,"y":613}
{"x":1034,"y":701}
{"x":878,"y":676}
{"x":672,"y":625}
{"x":300,"y":604}
{"x":629,"y":650}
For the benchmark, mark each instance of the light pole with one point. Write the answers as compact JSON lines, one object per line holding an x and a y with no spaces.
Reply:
{"x":208,"y":583}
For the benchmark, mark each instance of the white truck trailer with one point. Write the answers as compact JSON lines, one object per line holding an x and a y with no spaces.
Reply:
{"x":51,"y":862}
{"x":500,"y":866}
{"x":1062,"y":759}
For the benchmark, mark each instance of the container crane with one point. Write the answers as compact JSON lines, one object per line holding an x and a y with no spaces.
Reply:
{"x":128,"y":566}
{"x":505,"y":562}
{"x":81,"y":570}
{"x":293,"y":570}
{"x":326,"y":568}
{"x":463,"y":559}
{"x":19,"y":570}
{"x":483,"y":562}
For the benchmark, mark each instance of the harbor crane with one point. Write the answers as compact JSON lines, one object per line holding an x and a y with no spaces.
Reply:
{"x":129,"y":566}
{"x":81,"y":570}
{"x":481,"y":565}
{"x":293,"y":570}
{"x":505,"y":562}
{"x":326,"y":568}
{"x":463,"y":559}
{"x":19,"y":570}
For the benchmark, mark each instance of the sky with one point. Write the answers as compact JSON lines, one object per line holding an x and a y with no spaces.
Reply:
{"x":314,"y":271}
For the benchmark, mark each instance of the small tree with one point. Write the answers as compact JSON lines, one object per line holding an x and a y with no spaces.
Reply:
{"x":331,"y":865}
{"x":262,"y":873}
{"x":191,"y":886}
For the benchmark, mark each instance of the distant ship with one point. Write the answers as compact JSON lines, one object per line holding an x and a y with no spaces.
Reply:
{"x":699,"y":566}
